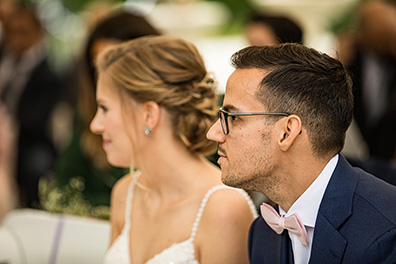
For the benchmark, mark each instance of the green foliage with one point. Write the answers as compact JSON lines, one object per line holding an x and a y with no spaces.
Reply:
{"x":346,"y":20}
{"x":240,"y":11}
{"x":69,"y":199}
{"x":79,"y":5}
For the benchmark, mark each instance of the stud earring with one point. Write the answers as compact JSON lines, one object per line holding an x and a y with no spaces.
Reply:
{"x":147,"y":130}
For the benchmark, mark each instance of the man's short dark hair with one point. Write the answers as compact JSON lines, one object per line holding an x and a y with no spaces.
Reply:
{"x":302,"y":81}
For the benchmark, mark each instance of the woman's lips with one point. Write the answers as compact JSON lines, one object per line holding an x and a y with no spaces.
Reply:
{"x":105,"y":143}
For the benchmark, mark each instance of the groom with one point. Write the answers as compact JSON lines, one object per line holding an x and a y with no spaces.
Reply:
{"x":280,"y":131}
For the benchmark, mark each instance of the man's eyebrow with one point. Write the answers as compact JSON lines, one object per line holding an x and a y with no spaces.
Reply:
{"x":229,"y":108}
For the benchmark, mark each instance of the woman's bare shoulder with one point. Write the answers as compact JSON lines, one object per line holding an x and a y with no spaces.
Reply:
{"x":223,"y":231}
{"x":120,"y":189}
{"x":230,"y":202}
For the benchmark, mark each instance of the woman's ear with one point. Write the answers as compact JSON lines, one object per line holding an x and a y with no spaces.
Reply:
{"x":152,"y":114}
{"x":290,"y":130}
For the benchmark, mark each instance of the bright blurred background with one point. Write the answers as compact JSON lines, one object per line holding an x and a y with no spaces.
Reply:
{"x":62,"y":226}
{"x":215,"y":26}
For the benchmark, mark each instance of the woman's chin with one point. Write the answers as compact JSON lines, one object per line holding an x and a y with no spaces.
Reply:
{"x":118,"y":163}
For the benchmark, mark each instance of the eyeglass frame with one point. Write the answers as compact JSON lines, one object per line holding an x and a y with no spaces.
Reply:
{"x":226,"y":130}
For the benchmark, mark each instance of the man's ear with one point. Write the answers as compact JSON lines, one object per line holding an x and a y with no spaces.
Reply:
{"x":290,"y":130}
{"x":152,"y":114}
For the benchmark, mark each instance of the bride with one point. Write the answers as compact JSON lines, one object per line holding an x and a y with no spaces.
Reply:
{"x":156,"y":102}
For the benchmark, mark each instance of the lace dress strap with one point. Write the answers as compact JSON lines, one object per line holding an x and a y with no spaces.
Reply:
{"x":248,"y":200}
{"x":202,"y":207}
{"x":206,"y":198}
{"x":119,"y":252}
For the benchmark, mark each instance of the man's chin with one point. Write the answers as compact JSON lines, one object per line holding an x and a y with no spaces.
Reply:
{"x":230,"y":181}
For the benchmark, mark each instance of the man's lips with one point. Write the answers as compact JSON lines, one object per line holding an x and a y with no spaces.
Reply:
{"x":221,"y":154}
{"x":221,"y":159}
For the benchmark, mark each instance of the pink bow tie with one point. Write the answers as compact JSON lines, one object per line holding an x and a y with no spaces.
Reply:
{"x":279,"y":223}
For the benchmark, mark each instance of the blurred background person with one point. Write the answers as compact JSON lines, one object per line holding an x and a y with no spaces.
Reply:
{"x":369,"y":52}
{"x":366,"y":45}
{"x":29,"y":88}
{"x":268,"y":29}
{"x":84,"y":156}
{"x":372,"y":63}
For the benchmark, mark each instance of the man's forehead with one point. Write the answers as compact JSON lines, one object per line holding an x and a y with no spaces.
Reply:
{"x":242,"y":87}
{"x":246,"y":79}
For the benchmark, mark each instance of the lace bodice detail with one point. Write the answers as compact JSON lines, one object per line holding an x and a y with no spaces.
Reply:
{"x":178,"y":253}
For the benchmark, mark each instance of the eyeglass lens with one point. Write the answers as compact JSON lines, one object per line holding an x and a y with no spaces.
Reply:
{"x":224,"y":122}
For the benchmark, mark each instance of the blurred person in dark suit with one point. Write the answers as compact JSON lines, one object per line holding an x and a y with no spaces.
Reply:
{"x":29,"y":88}
{"x":369,"y":53}
{"x":371,"y":61}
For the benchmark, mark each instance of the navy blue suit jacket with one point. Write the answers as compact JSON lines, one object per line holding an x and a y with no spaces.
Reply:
{"x":356,"y":222}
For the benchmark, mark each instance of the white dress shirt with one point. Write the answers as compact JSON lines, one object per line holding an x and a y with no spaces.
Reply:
{"x":307,"y":207}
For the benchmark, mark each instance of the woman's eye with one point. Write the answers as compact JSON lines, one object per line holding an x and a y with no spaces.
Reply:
{"x":103,"y":108}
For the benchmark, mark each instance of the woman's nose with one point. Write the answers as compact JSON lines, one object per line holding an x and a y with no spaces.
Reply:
{"x":95,"y":125}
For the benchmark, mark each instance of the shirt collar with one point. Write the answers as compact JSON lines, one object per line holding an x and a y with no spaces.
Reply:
{"x":307,"y":205}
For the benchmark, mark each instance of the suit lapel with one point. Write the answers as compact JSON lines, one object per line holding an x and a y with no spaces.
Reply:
{"x":336,"y":206}
{"x":328,"y":244}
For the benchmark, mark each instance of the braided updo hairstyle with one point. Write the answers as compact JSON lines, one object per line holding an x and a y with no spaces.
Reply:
{"x":170,"y":72}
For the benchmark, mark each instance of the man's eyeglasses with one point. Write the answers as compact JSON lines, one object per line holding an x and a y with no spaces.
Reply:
{"x":223,"y":116}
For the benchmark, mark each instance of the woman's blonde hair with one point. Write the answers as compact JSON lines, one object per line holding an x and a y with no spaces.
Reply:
{"x":172,"y":73}
{"x":118,"y":26}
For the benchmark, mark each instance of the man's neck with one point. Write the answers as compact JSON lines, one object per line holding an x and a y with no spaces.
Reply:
{"x":296,"y":179}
